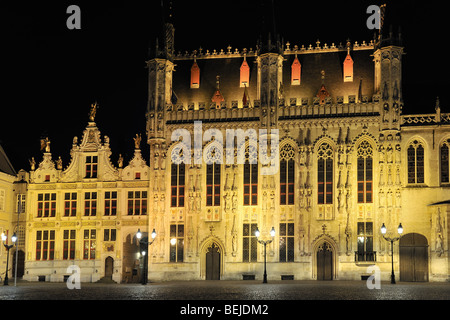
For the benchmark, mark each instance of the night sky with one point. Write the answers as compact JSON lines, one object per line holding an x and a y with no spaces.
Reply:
{"x":51,"y":75}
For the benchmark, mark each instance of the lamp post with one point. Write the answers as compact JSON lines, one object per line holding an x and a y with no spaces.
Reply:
{"x":392,"y":240}
{"x":13,"y":239}
{"x":265,"y":243}
{"x":146,"y":243}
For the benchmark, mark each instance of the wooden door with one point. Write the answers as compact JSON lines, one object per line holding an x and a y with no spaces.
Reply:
{"x":325,"y":262}
{"x":109,"y":263}
{"x":213,"y":263}
{"x":414,"y":258}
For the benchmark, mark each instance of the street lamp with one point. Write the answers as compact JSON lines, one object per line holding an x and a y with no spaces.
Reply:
{"x":265,"y":243}
{"x":392,"y":240}
{"x":146,"y":243}
{"x":13,"y":239}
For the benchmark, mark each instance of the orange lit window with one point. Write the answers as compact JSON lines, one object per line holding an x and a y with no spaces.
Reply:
{"x":195,"y":76}
{"x":348,"y":69}
{"x":296,"y":70}
{"x":245,"y":74}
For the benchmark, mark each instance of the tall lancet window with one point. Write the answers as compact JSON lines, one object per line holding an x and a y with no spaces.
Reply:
{"x":177,"y":184}
{"x":245,"y":74}
{"x":325,"y":174}
{"x":416,"y":163}
{"x":287,"y":175}
{"x":365,"y":172}
{"x":348,"y":66}
{"x":445,"y":168}
{"x":195,"y":75}
{"x":296,"y":71}
{"x":250,"y":177}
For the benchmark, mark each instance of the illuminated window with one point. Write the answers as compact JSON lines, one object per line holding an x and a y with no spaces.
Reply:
{"x":250,"y":181}
{"x":69,"y":244}
{"x":177,"y":185}
{"x":249,"y":243}
{"x":348,"y":68}
{"x":45,"y":245}
{"x":287,"y":175}
{"x":91,"y":166}
{"x":137,"y":203}
{"x":90,"y":203}
{"x":70,"y":204}
{"x":109,"y":235}
{"x":213,"y":184}
{"x":245,"y":74}
{"x":195,"y":76}
{"x":89,"y":244}
{"x":325,"y":174}
{"x":416,"y":163}
{"x":286,"y":242}
{"x":110,"y":203}
{"x":365,"y":172}
{"x":46,"y":206}
{"x":445,"y":166}
{"x":296,"y":70}
{"x":365,"y":242}
{"x":176,"y":242}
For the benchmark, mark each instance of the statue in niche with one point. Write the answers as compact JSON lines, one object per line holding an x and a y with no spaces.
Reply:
{"x":439,"y":236}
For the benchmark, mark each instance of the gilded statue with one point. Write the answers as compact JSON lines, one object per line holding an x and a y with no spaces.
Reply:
{"x":93,"y":111}
{"x":137,"y":141}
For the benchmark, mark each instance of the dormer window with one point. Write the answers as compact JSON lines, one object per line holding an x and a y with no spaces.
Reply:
{"x":348,"y":67}
{"x":195,"y":76}
{"x":91,"y":166}
{"x":245,"y":74}
{"x":296,"y":70}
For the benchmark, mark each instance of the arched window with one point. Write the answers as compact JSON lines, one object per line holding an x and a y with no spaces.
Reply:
{"x":365,"y":172}
{"x":287,"y":175}
{"x":416,"y":163}
{"x":444,"y":157}
{"x":325,"y":174}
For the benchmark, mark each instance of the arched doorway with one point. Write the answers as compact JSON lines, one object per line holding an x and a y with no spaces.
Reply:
{"x":413,"y":258}
{"x":324,"y":261}
{"x":213,"y":262}
{"x":109,"y":264}
{"x":20,"y":263}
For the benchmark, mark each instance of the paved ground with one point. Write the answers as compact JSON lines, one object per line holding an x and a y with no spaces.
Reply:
{"x":226,"y":299}
{"x":228,"y":290}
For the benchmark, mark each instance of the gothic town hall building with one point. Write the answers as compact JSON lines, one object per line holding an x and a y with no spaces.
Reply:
{"x":349,"y":159}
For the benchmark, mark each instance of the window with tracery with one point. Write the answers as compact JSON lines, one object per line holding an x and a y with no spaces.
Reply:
{"x":365,"y":172}
{"x":416,"y":171}
{"x":250,"y":177}
{"x":177,"y":185}
{"x":287,"y":175}
{"x":444,"y":157}
{"x":325,"y":174}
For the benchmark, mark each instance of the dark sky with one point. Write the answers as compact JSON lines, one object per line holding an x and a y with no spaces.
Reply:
{"x":51,"y":75}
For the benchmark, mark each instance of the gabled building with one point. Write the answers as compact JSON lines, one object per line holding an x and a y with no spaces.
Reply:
{"x":86,"y":214}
